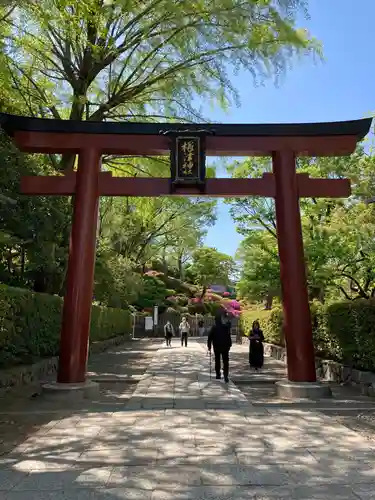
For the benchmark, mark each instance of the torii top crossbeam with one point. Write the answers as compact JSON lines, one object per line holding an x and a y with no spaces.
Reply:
{"x":36,"y":135}
{"x":91,"y":140}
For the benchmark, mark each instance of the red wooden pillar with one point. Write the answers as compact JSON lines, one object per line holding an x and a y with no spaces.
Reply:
{"x":297,"y":318}
{"x":80,"y":279}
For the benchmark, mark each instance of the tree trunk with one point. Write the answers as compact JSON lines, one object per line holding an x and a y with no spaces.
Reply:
{"x":269,"y":301}
{"x":40,"y":282}
{"x":180,"y":269}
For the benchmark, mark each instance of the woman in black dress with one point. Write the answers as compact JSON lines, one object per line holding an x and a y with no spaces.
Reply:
{"x":256,"y":352}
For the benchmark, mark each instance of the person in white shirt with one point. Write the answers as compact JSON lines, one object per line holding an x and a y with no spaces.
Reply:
{"x":184,"y":331}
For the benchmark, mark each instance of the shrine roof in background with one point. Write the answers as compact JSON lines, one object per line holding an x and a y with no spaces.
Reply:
{"x":137,"y":139}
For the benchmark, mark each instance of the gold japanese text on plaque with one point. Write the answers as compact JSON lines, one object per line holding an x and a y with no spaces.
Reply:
{"x":187,"y":157}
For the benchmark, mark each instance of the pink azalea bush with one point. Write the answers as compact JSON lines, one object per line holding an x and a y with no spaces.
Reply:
{"x":232,"y":307}
{"x":234,"y":304}
{"x":152,"y":273}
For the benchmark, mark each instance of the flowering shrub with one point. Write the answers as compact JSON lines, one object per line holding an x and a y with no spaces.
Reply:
{"x":152,"y":273}
{"x":232,"y":307}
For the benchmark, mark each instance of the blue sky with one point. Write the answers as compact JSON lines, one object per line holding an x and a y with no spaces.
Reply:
{"x":339,"y":88}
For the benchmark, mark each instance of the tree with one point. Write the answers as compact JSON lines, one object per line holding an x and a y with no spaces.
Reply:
{"x":260,"y":274}
{"x":130,"y":60}
{"x":210,"y":267}
{"x":338,"y":234}
{"x":34,"y":230}
{"x":143,"y":229}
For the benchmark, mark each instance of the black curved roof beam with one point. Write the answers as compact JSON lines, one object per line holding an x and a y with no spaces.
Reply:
{"x":137,"y":139}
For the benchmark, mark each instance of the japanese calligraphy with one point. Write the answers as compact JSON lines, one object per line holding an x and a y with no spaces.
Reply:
{"x":188,"y":148}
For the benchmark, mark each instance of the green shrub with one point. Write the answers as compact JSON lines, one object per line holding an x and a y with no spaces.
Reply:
{"x":179,"y":286}
{"x":249,"y":316}
{"x":154,"y":292}
{"x":351,"y":327}
{"x":182,"y":300}
{"x":197,"y":308}
{"x":273,"y":326}
{"x":213,"y":308}
{"x":342,"y":331}
{"x":30,"y":325}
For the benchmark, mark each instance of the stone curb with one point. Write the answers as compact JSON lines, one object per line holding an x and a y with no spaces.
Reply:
{"x":26,"y":374}
{"x":332,"y":371}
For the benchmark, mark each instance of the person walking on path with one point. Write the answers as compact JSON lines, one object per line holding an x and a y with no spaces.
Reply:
{"x":256,"y":350}
{"x":201,"y":328}
{"x":220,"y":338}
{"x":184,"y":331}
{"x":168,"y":333}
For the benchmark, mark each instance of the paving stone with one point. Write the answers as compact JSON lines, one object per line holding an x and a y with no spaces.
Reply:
{"x":10,"y":478}
{"x":63,"y":479}
{"x":75,"y":432}
{"x":172,"y":450}
{"x":155,"y":476}
{"x":204,"y":493}
{"x":82,"y":494}
{"x":364,"y":491}
{"x":300,"y":458}
{"x":113,"y":456}
{"x":258,"y":474}
{"x":325,"y":492}
{"x":200,"y":460}
{"x":46,"y":464}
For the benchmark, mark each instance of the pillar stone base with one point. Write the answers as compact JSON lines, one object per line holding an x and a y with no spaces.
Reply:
{"x":71,"y":392}
{"x":302,"y":390}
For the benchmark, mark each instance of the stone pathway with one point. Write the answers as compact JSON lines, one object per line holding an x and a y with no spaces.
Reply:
{"x":183,"y":436}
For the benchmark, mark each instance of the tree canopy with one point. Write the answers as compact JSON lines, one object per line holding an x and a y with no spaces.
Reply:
{"x":210,"y":267}
{"x":124,"y":60}
{"x":338,"y":234}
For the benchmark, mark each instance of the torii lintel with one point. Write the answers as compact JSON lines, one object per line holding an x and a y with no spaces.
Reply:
{"x":152,"y":186}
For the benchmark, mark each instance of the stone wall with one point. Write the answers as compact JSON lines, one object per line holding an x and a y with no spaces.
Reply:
{"x":26,"y":374}
{"x":331,"y":371}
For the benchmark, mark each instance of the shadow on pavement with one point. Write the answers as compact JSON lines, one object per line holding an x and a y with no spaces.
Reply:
{"x":104,"y":450}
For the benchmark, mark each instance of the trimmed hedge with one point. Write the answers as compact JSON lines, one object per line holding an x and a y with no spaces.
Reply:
{"x":247,"y":318}
{"x":30,"y":325}
{"x":343,"y":331}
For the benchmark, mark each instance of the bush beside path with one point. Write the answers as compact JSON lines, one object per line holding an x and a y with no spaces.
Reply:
{"x":342,"y":331}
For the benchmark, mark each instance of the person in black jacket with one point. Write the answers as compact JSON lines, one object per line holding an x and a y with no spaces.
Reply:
{"x":256,"y":351}
{"x":220,"y":338}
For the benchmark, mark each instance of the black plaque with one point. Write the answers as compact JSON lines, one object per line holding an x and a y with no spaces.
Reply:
{"x":188,"y":158}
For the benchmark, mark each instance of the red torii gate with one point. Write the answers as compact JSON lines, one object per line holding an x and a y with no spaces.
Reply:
{"x":90,"y":140}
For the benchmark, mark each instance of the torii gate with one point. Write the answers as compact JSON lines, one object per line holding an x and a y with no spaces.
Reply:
{"x":188,"y":145}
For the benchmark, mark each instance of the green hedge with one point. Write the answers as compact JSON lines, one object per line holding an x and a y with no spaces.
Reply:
{"x":30,"y":325}
{"x":342,"y":331}
{"x":248,"y":317}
